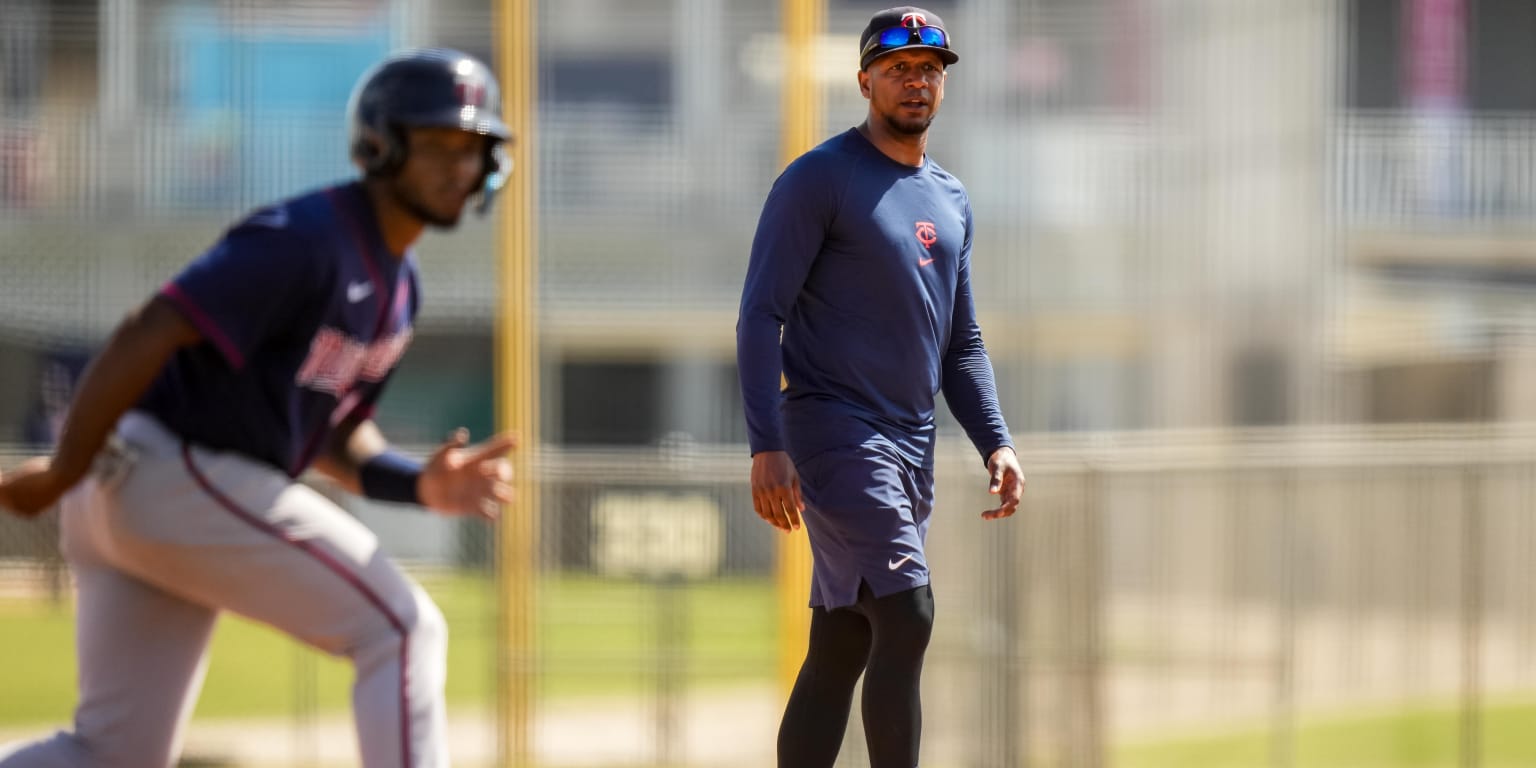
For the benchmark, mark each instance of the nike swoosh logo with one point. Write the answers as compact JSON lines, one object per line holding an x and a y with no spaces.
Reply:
{"x":894,"y":564}
{"x":924,"y":262}
{"x":358,"y":291}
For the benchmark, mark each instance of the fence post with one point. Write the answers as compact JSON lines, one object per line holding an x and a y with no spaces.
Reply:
{"x":1093,"y":634}
{"x":1472,"y":617}
{"x":1283,"y":748}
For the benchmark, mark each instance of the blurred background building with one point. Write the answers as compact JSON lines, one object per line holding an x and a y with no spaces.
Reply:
{"x":1256,"y":278}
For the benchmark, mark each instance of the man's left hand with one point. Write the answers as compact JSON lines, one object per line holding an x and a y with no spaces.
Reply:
{"x":32,"y":488}
{"x":461,"y":479}
{"x":1007,"y":483}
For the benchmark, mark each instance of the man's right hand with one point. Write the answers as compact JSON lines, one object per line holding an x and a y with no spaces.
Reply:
{"x":111,"y":384}
{"x":33,"y":487}
{"x":776,"y":490}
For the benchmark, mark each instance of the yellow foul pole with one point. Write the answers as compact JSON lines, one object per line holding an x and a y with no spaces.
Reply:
{"x":799,"y":131}
{"x":517,"y":380}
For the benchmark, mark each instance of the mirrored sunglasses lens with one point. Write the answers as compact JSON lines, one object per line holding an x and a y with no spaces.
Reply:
{"x":894,"y":37}
{"x":931,"y":36}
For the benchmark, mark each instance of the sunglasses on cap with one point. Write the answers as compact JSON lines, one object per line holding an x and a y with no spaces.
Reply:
{"x":897,"y":37}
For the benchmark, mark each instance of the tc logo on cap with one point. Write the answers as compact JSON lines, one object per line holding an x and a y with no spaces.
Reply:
{"x":914,"y":20}
{"x":470,"y":90}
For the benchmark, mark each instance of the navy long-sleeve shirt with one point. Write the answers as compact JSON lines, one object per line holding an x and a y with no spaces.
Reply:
{"x":864,"y":263}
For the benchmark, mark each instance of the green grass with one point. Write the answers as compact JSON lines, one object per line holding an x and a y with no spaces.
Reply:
{"x":596,"y":636}
{"x":37,"y":642}
{"x":1416,"y":737}
{"x":599,"y":636}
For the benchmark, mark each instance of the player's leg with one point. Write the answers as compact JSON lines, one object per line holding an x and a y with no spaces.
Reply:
{"x":901,"y":617}
{"x":142,"y":654}
{"x":142,"y":657}
{"x":323,"y":579}
{"x":872,"y":506}
{"x":236,"y":534}
{"x":893,"y":718}
{"x":817,"y":713}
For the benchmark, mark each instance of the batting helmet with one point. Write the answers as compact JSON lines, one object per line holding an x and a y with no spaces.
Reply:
{"x":422,"y":88}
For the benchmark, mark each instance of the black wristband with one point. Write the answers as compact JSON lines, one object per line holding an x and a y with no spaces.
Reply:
{"x":390,"y":476}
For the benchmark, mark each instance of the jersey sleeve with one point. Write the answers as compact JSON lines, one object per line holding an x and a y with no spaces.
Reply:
{"x":968,"y":383}
{"x":241,"y":290}
{"x":790,"y":232}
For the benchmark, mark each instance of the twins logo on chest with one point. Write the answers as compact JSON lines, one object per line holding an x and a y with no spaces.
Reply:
{"x":337,"y":360}
{"x":927,"y":234}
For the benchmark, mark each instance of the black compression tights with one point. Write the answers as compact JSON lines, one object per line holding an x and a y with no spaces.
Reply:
{"x":884,"y":639}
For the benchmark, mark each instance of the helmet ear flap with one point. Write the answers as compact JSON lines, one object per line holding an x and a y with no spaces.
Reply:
{"x":394,"y":144}
{"x":492,"y":161}
{"x":380,"y":152}
{"x":368,"y":150}
{"x":495,"y":168}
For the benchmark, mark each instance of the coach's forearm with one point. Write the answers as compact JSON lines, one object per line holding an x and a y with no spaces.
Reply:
{"x":759,"y":364}
{"x":117,"y":378}
{"x":971,"y":391}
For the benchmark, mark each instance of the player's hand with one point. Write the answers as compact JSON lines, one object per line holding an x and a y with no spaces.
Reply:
{"x":776,"y":490}
{"x":463,"y":479}
{"x":1007,"y":483}
{"x":32,"y":488}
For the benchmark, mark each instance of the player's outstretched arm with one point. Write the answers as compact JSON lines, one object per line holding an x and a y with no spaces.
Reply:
{"x":113,"y":382}
{"x":349,"y":446}
{"x":19,"y":478}
{"x":464,"y":479}
{"x":1007,"y":483}
{"x":458,"y":479}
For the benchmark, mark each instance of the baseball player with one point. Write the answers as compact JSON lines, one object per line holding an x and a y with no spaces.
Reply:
{"x":862,"y":261}
{"x":266,"y":356}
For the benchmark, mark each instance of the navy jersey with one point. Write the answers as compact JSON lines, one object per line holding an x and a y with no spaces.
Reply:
{"x":304,"y":314}
{"x":864,"y":263}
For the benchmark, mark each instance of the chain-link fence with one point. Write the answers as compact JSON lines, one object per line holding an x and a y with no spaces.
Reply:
{"x":1159,"y":588}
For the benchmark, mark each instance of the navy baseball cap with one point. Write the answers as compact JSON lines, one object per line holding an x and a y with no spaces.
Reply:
{"x":904,"y":27}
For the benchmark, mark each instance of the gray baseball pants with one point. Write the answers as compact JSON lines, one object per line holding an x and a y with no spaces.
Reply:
{"x":163,"y":536}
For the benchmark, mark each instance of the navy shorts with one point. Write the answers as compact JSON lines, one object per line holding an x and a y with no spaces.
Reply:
{"x":866,"y":510}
